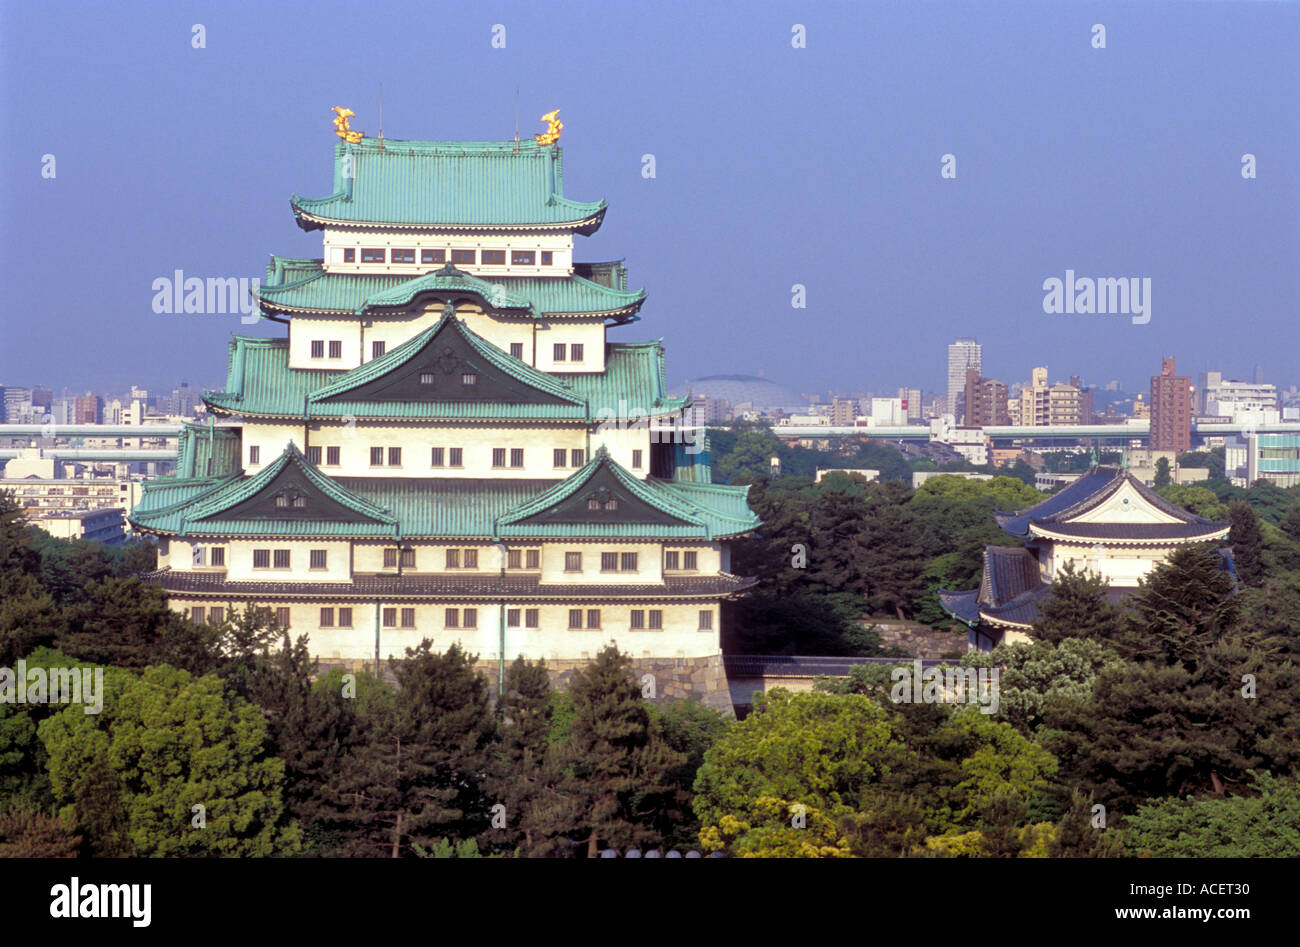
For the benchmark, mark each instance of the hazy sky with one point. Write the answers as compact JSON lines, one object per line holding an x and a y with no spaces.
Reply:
{"x":775,"y":165}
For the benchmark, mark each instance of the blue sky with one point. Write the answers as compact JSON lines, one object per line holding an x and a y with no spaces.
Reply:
{"x":774,"y":166}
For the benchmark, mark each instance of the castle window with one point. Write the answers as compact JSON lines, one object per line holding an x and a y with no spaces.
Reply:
{"x":547,"y":256}
{"x":672,"y":560}
{"x":394,"y":457}
{"x":573,"y":562}
{"x":560,"y":351}
{"x":327,"y":618}
{"x":453,"y":558}
{"x":331,"y":456}
{"x":261,"y":558}
{"x":433,"y":256}
{"x":532,"y":558}
{"x":282,"y":618}
{"x":638,"y":619}
{"x":437,"y":457}
{"x":254,"y":454}
{"x":217,"y":555}
{"x":611,"y":504}
{"x":345,"y":618}
{"x":318,"y":349}
{"x":577,"y":458}
{"x":593,"y":618}
{"x":561,"y":457}
{"x":575,"y":352}
{"x":390,"y":618}
{"x":281,"y":500}
{"x":470,"y":618}
{"x":426,"y":378}
{"x":609,"y":562}
{"x":313,"y":455}
{"x":377,"y":349}
{"x":318,"y":558}
{"x":471,"y":558}
{"x":197,"y":613}
{"x":531,"y":617}
{"x":516,"y":457}
{"x":408,"y":558}
{"x":512,"y":618}
{"x":517,"y":349}
{"x":216,"y":614}
{"x":451,"y":618}
{"x":498,"y":457}
{"x":656,"y":619}
{"x":494,"y":257}
{"x":390,"y":558}
{"x":523,"y":257}
{"x":627,"y":562}
{"x":514,"y":559}
{"x":376,"y":457}
{"x":636,"y":460}
{"x":690,"y":560}
{"x":469,"y":378}
{"x":575,"y":618}
{"x":593,"y":504}
{"x":464,"y":256}
{"x":282,"y":558}
{"x":403,"y":255}
{"x":408,"y":618}
{"x":454,"y":456}
{"x":336,"y":348}
{"x":372,"y":255}
{"x":349,"y":255}
{"x":299,"y":502}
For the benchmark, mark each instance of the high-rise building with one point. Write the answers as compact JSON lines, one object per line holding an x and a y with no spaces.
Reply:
{"x":87,"y":409}
{"x":986,"y":401}
{"x":1171,"y":409}
{"x":844,"y":412}
{"x":1042,"y":404}
{"x":964,"y":354}
{"x":446,"y":445}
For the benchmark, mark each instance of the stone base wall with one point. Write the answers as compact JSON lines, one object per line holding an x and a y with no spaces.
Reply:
{"x":703,"y":678}
{"x":918,"y":640}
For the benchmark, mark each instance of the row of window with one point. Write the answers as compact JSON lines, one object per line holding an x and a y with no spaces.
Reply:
{"x":561,"y":457}
{"x":674,"y":560}
{"x":467,"y":257}
{"x":560,"y":352}
{"x":639,"y":619}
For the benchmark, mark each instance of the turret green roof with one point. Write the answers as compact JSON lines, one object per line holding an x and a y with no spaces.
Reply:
{"x":206,"y":450}
{"x":448,"y":185}
{"x":296,"y":287}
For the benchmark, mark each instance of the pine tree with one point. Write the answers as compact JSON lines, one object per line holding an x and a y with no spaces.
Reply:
{"x":1184,"y":605}
{"x":1077,"y":607}
{"x":618,"y":764}
{"x":1247,"y":542}
{"x":1162,"y":478}
{"x":1078,"y":836}
{"x":30,"y":833}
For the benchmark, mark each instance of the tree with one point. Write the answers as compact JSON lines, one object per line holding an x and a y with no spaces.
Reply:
{"x":128,"y":624}
{"x":1263,"y":824}
{"x":30,"y":833}
{"x":1162,"y":478}
{"x":173,"y":742}
{"x":1077,"y":606}
{"x":616,"y":763}
{"x":1247,"y":542}
{"x":1184,"y":605}
{"x":525,"y":775}
{"x":690,"y":728}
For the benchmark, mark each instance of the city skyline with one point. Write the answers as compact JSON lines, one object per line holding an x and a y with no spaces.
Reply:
{"x":734,"y":217}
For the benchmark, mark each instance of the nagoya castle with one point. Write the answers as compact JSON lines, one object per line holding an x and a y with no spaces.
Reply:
{"x":445,"y":444}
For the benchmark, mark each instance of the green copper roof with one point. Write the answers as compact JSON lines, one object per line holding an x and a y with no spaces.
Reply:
{"x":437,"y":507}
{"x":447,"y":185}
{"x":260,"y":383}
{"x":302,"y":286}
{"x":651,"y":506}
{"x":205,"y":450}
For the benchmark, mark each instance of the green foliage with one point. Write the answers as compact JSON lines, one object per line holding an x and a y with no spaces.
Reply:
{"x":616,"y":763}
{"x":1196,"y":499}
{"x":1247,"y":542}
{"x":1263,"y":824}
{"x":166,"y":742}
{"x":1163,"y":477}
